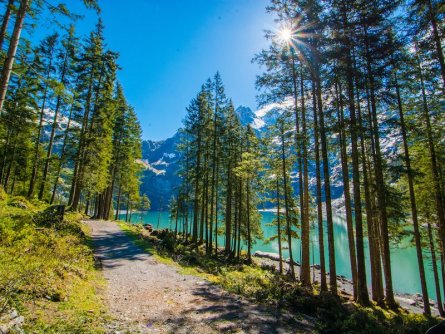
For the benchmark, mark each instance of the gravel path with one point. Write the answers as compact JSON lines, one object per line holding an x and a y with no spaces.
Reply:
{"x":145,"y":296}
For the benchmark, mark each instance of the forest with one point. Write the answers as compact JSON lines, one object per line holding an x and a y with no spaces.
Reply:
{"x":345,"y":75}
{"x":355,"y":95}
{"x":68,"y":134}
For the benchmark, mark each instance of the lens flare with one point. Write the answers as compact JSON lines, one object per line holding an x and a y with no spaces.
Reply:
{"x":285,"y":35}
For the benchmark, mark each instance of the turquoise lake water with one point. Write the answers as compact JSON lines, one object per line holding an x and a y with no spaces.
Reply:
{"x":403,"y":259}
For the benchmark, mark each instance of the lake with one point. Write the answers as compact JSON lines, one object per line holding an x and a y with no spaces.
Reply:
{"x":403,"y":259}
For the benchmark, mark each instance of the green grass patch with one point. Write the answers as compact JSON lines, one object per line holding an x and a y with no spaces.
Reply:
{"x":47,"y":271}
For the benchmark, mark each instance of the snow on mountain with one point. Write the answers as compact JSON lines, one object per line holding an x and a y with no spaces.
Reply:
{"x":160,"y":178}
{"x":263,"y":115}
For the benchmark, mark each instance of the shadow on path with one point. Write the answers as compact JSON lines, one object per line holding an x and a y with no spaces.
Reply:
{"x":114,"y":246}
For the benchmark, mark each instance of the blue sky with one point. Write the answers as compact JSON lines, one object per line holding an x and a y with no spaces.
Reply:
{"x":169,"y":48}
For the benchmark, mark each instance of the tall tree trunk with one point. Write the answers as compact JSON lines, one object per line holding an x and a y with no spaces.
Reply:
{"x":380,"y":184}
{"x":286,"y":204}
{"x":8,"y":171}
{"x":228,"y":217}
{"x":323,"y":284}
{"x":433,"y":161}
{"x":435,"y":270}
{"x":62,"y":155}
{"x":53,"y":127}
{"x":5,"y":22}
{"x":213,"y":186}
{"x":437,"y":41}
{"x":236,"y":219}
{"x":118,"y":203}
{"x":249,"y":240}
{"x":216,"y":212}
{"x":280,"y":255}
{"x":5,"y":155}
{"x":305,"y":269}
{"x":78,"y":165}
{"x":240,"y":218}
{"x":298,"y":141}
{"x":49,"y":151}
{"x":346,"y":187}
{"x":373,"y":208}
{"x":327,"y":186}
{"x":12,"y":50}
{"x":33,"y":180}
{"x":127,"y":213}
{"x":412,"y":197}
{"x":77,"y":182}
{"x":373,"y":233}
{"x":197,"y":191}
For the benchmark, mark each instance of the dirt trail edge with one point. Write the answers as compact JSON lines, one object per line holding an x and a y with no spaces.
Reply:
{"x":145,"y":296}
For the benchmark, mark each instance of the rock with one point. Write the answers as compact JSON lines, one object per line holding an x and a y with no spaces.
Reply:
{"x":20,"y":205}
{"x":18,"y":321}
{"x":13,"y":314}
{"x":4,"y":329}
{"x":271,"y":256}
{"x":344,"y":292}
{"x":412,"y":302}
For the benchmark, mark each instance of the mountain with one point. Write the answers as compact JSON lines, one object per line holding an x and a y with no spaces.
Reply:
{"x":160,"y":179}
{"x":161,"y":157}
{"x":245,"y":115}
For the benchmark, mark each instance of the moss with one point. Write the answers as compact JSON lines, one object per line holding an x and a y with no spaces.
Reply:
{"x":48,"y":273}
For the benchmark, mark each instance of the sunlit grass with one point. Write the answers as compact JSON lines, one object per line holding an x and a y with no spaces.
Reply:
{"x":48,"y":274}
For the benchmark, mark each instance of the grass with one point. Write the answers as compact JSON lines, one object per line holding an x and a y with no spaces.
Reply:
{"x":333,"y":314}
{"x":47,"y":271}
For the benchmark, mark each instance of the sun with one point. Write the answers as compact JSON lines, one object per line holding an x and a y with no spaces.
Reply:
{"x":285,"y":35}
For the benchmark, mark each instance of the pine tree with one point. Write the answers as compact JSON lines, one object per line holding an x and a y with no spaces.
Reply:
{"x":65,"y":72}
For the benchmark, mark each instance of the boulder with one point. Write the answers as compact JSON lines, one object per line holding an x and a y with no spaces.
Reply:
{"x":271,"y":256}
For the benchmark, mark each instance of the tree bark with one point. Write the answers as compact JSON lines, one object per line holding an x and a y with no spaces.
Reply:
{"x":433,"y":161}
{"x":435,"y":270}
{"x":280,"y":255}
{"x":412,"y":197}
{"x":346,"y":187}
{"x":5,"y":22}
{"x":286,"y":203}
{"x":323,"y":283}
{"x":12,"y":50}
{"x":437,"y":40}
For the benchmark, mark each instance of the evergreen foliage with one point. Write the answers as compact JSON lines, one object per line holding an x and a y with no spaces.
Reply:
{"x":68,"y":135}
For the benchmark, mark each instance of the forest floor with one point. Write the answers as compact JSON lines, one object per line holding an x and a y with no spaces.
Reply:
{"x":145,"y":295}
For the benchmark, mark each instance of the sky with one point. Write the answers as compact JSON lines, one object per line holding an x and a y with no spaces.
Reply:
{"x":168,"y":48}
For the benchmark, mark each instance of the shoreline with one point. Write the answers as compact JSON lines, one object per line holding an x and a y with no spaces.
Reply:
{"x":410,"y":302}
